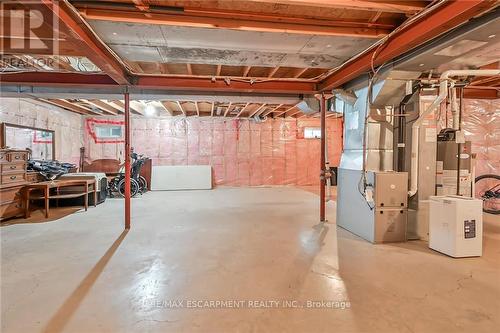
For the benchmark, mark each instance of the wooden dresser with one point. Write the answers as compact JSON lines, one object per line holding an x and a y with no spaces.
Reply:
{"x":13,"y":177}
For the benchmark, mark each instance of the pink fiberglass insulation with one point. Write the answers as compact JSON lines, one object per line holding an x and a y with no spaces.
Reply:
{"x":481,"y":123}
{"x":241,"y":152}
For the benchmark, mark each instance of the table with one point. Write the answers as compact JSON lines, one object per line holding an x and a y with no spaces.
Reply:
{"x":47,"y":186}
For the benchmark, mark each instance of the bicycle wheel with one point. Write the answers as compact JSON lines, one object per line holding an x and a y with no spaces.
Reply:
{"x":134,"y":187}
{"x":143,"y":184}
{"x":488,"y":190}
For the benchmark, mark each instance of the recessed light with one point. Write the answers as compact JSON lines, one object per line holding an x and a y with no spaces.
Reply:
{"x":328,"y":46}
{"x":114,"y":33}
{"x":422,"y":65}
{"x":491,"y":36}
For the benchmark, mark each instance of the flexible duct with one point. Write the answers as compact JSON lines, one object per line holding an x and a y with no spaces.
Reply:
{"x":443,"y":93}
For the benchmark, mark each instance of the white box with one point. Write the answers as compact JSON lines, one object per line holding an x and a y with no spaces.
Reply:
{"x":456,"y":226}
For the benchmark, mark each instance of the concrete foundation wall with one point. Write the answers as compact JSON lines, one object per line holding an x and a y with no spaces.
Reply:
{"x":68,"y":126}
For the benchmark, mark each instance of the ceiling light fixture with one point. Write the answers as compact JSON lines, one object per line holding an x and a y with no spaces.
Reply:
{"x":492,"y":36}
{"x":150,"y":110}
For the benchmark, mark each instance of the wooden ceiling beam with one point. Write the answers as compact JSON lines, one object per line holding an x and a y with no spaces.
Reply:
{"x":103,"y":106}
{"x":272,"y":110}
{"x":212,"y":109}
{"x":181,"y":108}
{"x":197,"y":108}
{"x":299,"y":72}
{"x":273,"y":71}
{"x":229,"y":20}
{"x":228,"y":109}
{"x":246,"y":70}
{"x":443,"y":17}
{"x":89,"y":44}
{"x":388,"y":6}
{"x":70,"y":106}
{"x":292,"y":114}
{"x":242,"y":110}
{"x":61,"y":63}
{"x":189,"y":69}
{"x":121,"y":105}
{"x":166,"y":108}
{"x":284,"y":112}
{"x":256,"y":111}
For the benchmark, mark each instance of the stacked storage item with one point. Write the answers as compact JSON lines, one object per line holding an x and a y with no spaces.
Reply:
{"x":102,"y":187}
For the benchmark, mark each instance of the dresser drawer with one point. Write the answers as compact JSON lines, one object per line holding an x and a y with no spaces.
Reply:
{"x":10,"y":194}
{"x":34,"y":177}
{"x":17,"y":156}
{"x":3,"y":156}
{"x":11,"y":209}
{"x":13,"y":178}
{"x":13,"y":167}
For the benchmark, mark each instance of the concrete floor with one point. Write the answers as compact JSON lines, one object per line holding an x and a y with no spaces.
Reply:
{"x":81,"y":273}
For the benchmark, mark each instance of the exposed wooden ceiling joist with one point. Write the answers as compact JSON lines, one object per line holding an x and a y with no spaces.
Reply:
{"x":284,"y":112}
{"x":443,"y":17}
{"x":103,"y":106}
{"x":366,"y":5}
{"x":197,"y":108}
{"x":229,"y":20}
{"x":273,"y":71}
{"x":70,"y":106}
{"x":272,"y":110}
{"x":181,"y":109}
{"x":242,"y":110}
{"x":228,"y":109}
{"x":256,"y":111}
{"x":90,"y":45}
{"x":167,"y":108}
{"x":121,"y":106}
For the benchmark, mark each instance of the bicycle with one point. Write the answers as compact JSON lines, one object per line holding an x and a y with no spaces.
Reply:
{"x":488,"y":190}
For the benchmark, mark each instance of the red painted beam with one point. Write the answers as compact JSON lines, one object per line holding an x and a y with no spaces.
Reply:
{"x":128,"y":173}
{"x":444,"y":17}
{"x":322,"y":186}
{"x":206,"y":84}
{"x":472,"y":92}
{"x":157,"y":82}
{"x":91,"y":46}
{"x":57,"y":79}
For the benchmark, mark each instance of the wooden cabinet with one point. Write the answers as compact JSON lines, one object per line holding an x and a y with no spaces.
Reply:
{"x":13,"y":177}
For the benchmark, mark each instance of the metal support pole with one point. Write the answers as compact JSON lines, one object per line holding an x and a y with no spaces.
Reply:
{"x":322,"y":188}
{"x":127,"y":160}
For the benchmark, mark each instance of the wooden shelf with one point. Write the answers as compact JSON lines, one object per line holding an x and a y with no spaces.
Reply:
{"x":59,"y":196}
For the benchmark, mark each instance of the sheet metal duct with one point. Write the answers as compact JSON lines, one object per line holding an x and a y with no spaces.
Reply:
{"x":308,"y":105}
{"x":469,"y":46}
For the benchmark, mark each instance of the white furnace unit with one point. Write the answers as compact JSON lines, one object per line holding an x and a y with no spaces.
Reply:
{"x":456,"y":226}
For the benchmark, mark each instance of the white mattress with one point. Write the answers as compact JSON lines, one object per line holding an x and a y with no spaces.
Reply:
{"x":181,"y":177}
